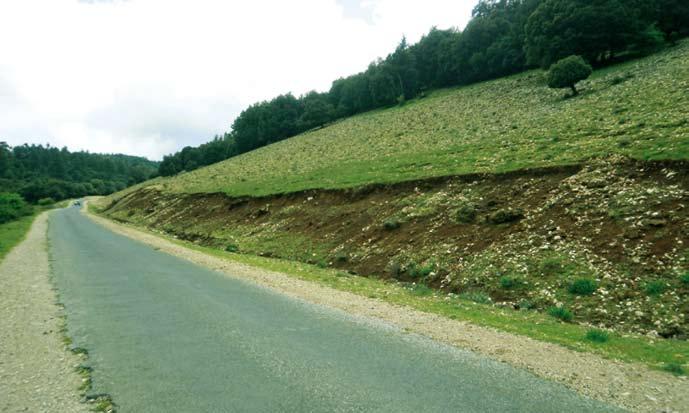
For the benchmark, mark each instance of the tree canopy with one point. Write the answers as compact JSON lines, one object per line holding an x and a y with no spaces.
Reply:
{"x":568,"y":72}
{"x":37,"y":172}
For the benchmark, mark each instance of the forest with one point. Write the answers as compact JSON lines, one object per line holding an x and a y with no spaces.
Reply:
{"x":504,"y":37}
{"x":38,"y":172}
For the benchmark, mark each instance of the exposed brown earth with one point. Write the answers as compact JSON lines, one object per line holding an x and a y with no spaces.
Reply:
{"x":519,"y":239}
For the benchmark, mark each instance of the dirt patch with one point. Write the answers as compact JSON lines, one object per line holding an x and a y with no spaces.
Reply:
{"x":630,"y":386}
{"x":620,"y":223}
{"x":37,"y":373}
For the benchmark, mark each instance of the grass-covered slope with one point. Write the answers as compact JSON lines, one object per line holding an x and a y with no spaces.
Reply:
{"x":639,"y":109}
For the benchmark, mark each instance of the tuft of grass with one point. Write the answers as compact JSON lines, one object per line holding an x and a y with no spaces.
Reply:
{"x":583,"y":286}
{"x":675,"y":368}
{"x":421,"y":290}
{"x":477,"y":297}
{"x":561,"y":313}
{"x":654,"y":288}
{"x":391,"y":224}
{"x":551,"y":266}
{"x":509,"y":283}
{"x":597,"y":336}
{"x":417,"y":271}
{"x":232,"y":248}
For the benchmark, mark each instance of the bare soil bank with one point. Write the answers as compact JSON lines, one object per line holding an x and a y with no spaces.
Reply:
{"x":520,"y":240}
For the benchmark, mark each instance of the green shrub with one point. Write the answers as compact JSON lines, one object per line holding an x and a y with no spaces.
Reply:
{"x":685,"y":278}
{"x":561,"y":313}
{"x":341,"y":257}
{"x":46,"y":201}
{"x":597,"y":336}
{"x":417,"y":271}
{"x":655,"y":287}
{"x":509,"y":283}
{"x":421,"y":290}
{"x":232,"y":248}
{"x":477,"y":297}
{"x":391,"y":224}
{"x":525,"y":304}
{"x":466,"y":214}
{"x":583,"y":286}
{"x":505,"y":216}
{"x":675,"y":368}
{"x":12,"y":207}
{"x":568,"y":72}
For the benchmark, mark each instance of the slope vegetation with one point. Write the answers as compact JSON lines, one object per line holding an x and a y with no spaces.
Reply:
{"x":639,"y":109}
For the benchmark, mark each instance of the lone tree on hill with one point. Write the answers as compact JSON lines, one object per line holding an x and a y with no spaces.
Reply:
{"x":568,"y":72}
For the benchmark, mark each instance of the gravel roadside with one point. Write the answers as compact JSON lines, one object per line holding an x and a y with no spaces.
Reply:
{"x":37,"y":373}
{"x":631,"y":386}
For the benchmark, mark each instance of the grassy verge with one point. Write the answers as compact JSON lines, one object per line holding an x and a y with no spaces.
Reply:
{"x":12,"y":233}
{"x":658,"y":353}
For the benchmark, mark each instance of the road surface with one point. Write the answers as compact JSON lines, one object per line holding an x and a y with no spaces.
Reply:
{"x":166,"y":335}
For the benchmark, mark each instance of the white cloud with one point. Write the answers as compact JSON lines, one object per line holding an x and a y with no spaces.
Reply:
{"x":150,"y":76}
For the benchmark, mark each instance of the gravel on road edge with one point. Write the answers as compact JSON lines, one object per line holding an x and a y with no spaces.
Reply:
{"x":630,"y":386}
{"x":37,"y":372}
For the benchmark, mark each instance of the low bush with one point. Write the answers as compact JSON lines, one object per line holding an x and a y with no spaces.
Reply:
{"x":561,"y":313}
{"x":12,"y":207}
{"x":675,"y":368}
{"x":509,"y":283}
{"x":465,"y":214}
{"x":232,"y":248}
{"x":583,"y":286}
{"x":597,"y":336}
{"x":525,"y":304}
{"x":46,"y":201}
{"x":655,"y":287}
{"x":685,"y":278}
{"x":418,"y":271}
{"x":505,"y":216}
{"x":391,"y":224}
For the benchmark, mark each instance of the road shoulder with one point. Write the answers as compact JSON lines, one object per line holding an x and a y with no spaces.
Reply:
{"x":37,"y":373}
{"x":631,"y":386}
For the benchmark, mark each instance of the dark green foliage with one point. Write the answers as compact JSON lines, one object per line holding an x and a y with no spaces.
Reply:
{"x":561,"y":313}
{"x":37,"y":172}
{"x":416,"y":271}
{"x":46,"y":201}
{"x":597,"y":336}
{"x":391,"y":224}
{"x":684,"y":278}
{"x":466,"y":214}
{"x":655,"y":287}
{"x":505,"y":216}
{"x":568,"y":72}
{"x":675,"y":368}
{"x":509,"y":283}
{"x":12,"y":206}
{"x":583,"y":286}
{"x":232,"y":248}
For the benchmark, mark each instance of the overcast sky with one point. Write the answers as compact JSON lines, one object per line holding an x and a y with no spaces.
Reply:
{"x":148,"y":77}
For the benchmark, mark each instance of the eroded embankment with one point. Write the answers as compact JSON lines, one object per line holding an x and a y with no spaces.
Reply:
{"x":606,"y":241}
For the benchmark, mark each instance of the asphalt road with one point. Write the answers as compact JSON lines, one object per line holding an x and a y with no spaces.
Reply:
{"x":165,"y":335}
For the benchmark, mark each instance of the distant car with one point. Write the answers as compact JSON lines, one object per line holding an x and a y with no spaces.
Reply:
{"x":77,"y":203}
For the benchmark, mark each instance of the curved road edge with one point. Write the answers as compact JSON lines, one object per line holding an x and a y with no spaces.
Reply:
{"x":37,"y":372}
{"x":630,"y":386}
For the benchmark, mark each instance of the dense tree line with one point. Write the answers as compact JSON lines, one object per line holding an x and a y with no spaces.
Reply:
{"x":503,"y":37}
{"x":38,"y":172}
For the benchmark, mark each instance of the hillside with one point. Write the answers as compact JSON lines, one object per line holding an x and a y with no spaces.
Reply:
{"x":501,"y":193}
{"x":638,"y":109}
